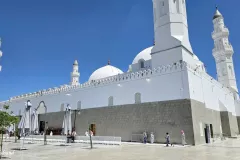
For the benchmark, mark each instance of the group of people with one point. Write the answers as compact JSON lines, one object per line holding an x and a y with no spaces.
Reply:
{"x":145,"y":137}
{"x":168,"y":142}
{"x":71,"y":136}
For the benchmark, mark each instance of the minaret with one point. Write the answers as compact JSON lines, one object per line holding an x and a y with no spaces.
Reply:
{"x":170,"y":31}
{"x":0,"y":53}
{"x":75,"y":74}
{"x":223,"y":52}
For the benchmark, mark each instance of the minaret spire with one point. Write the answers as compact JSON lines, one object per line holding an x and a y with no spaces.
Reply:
{"x":223,"y":52}
{"x":0,"y":52}
{"x":75,"y":74}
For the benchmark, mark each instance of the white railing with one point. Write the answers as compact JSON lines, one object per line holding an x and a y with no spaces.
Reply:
{"x":104,"y":140}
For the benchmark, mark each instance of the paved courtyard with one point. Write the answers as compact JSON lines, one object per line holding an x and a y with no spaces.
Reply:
{"x":226,"y":150}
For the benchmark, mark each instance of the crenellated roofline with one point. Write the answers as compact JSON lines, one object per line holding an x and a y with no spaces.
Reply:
{"x":129,"y":76}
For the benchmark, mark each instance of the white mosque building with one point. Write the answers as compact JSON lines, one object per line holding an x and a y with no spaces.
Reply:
{"x":166,"y":88}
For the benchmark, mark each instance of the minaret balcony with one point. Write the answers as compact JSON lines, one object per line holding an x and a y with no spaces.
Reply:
{"x":220,"y":33}
{"x":75,"y":74}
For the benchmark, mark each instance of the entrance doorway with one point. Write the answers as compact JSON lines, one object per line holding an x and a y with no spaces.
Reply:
{"x":207,"y":133}
{"x":42,"y":126}
{"x":93,"y":129}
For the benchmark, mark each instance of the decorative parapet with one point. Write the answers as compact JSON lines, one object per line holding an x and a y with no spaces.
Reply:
{"x":128,"y":76}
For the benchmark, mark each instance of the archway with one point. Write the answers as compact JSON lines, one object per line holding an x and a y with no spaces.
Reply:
{"x":42,"y":108}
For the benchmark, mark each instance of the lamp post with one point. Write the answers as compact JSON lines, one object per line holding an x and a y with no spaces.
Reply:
{"x":90,"y":136}
{"x":45,"y":133}
{"x":29,"y":105}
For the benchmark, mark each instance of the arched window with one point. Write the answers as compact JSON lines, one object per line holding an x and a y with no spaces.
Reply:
{"x":79,"y":105}
{"x":41,"y":109}
{"x":137,"y":98}
{"x":62,"y":107}
{"x":110,"y":101}
{"x":141,"y":63}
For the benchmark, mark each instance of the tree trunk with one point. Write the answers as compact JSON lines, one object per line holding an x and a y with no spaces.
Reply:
{"x":15,"y":133}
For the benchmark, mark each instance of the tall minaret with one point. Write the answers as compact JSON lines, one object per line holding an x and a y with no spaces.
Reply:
{"x":170,"y":30}
{"x":75,"y":74}
{"x":0,"y":53}
{"x":223,"y":53}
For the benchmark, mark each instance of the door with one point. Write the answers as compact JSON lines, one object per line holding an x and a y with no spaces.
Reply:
{"x":206,"y":136}
{"x":42,"y":126}
{"x":93,"y":129}
{"x":207,"y":133}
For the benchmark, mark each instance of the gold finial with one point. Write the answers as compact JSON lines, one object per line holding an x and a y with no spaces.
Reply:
{"x":108,"y":62}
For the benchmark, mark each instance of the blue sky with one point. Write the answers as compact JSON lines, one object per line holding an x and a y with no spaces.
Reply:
{"x":41,"y":39}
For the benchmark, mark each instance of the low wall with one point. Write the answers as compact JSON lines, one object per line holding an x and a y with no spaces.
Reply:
{"x":125,"y":120}
{"x":78,"y":139}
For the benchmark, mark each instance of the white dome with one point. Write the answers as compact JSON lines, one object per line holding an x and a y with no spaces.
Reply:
{"x":145,"y":55}
{"x":106,"y":71}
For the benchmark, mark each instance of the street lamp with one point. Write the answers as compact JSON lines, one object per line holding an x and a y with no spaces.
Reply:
{"x":29,"y":106}
{"x":45,"y":133}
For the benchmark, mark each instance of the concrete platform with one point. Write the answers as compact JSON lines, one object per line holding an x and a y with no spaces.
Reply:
{"x":223,"y":150}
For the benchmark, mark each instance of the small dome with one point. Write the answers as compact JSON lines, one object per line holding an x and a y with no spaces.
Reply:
{"x":106,"y":71}
{"x":145,"y":55}
{"x":217,"y":14}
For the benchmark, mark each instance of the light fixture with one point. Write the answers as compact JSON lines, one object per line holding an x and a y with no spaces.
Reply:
{"x":68,"y":94}
{"x":148,"y":79}
{"x":119,"y":85}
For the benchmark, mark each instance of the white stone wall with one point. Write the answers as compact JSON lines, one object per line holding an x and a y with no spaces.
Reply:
{"x":237,"y":106}
{"x":164,"y":83}
{"x":207,"y":90}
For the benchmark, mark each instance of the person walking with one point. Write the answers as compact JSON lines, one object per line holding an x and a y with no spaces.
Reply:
{"x":74,"y":134}
{"x":145,"y":137}
{"x":183,"y":138}
{"x":152,"y":138}
{"x":167,"y":139}
{"x":68,"y":136}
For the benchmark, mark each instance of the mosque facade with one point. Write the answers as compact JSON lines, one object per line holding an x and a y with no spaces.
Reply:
{"x":166,"y":89}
